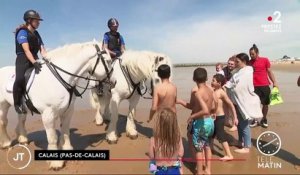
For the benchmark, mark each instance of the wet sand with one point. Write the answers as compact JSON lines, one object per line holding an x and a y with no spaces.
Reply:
{"x":283,"y":119}
{"x":287,"y":66}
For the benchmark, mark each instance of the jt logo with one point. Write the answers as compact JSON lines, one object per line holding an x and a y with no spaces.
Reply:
{"x":19,"y":155}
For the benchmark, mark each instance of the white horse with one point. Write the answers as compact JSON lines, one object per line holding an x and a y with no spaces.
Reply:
{"x":50,"y":97}
{"x":140,"y":65}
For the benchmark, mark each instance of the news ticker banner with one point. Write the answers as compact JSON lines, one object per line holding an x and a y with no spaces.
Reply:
{"x":71,"y":154}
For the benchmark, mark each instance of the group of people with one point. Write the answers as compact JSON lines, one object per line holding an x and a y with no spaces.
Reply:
{"x":236,"y":92}
{"x":240,"y":92}
{"x":262,"y":77}
{"x":28,"y":43}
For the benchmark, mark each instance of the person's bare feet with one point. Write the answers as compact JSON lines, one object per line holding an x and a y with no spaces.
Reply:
{"x":233,"y":128}
{"x":206,"y":171}
{"x":238,"y":144}
{"x":226,"y":158}
{"x":242,"y":150}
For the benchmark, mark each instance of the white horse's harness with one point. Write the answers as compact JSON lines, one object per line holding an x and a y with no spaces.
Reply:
{"x":72,"y":89}
{"x":135,"y":86}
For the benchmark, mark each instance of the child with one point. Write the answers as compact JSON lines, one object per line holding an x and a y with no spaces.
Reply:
{"x":165,"y":94}
{"x":200,"y":123}
{"x":217,"y":82}
{"x":166,"y":148}
{"x":219,"y":69}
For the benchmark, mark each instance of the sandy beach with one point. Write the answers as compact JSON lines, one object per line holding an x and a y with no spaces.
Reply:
{"x":128,"y":156}
{"x":287,"y":66}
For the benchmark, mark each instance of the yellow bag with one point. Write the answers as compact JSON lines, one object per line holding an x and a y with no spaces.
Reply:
{"x":275,"y":97}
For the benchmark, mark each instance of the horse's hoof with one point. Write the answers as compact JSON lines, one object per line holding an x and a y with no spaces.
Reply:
{"x":56,"y":168}
{"x":24,"y":143}
{"x":6,"y":145}
{"x":56,"y":165}
{"x":132,"y":137}
{"x":99,"y":124}
{"x":111,"y":141}
{"x":23,"y":140}
{"x":6,"y":148}
{"x":106,"y":121}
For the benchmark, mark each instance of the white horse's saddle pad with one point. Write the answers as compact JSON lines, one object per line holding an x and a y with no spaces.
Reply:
{"x":11,"y":81}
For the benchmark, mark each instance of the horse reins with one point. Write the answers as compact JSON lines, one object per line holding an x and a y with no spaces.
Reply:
{"x":72,"y":89}
{"x":135,"y":86}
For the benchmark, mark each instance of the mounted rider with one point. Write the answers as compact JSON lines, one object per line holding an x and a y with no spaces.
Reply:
{"x":113,"y":40}
{"x":28,"y":43}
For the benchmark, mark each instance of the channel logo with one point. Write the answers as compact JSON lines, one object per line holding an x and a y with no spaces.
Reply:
{"x":273,"y":24}
{"x":19,"y":157}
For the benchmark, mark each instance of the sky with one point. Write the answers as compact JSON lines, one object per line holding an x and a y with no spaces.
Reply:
{"x":189,"y":31}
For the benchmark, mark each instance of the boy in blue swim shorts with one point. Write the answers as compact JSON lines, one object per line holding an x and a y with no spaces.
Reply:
{"x":201,"y":131}
{"x":200,"y":124}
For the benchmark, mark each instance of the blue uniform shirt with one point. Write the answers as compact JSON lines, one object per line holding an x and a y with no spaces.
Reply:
{"x":22,"y":37}
{"x":106,"y":40}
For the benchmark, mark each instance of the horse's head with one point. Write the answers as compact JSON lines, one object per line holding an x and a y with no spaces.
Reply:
{"x":143,"y":65}
{"x":158,"y":59}
{"x":88,"y":57}
{"x":99,"y":64}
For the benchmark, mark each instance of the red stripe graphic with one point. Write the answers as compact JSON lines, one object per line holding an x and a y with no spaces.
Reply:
{"x":183,"y":159}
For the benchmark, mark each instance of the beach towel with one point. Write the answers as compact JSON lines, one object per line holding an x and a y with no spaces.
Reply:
{"x":275,"y":97}
{"x":241,"y":90}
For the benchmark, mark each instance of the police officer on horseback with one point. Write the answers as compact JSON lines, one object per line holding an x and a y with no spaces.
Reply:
{"x":28,"y":43}
{"x":114,"y":43}
{"x":113,"y":40}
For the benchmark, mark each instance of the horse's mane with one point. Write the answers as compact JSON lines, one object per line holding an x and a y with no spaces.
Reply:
{"x":141,"y":63}
{"x":68,"y":50}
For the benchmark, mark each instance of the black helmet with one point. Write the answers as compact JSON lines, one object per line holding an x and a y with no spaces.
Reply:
{"x":31,"y":14}
{"x":112,"y":22}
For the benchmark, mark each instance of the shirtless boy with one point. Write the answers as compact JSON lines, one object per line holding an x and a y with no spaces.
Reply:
{"x":223,"y":103}
{"x":165,"y":94}
{"x":200,"y":123}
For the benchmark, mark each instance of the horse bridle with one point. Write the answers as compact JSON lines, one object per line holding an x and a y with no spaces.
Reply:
{"x":72,"y":89}
{"x":100,"y":56}
{"x":136,"y":86}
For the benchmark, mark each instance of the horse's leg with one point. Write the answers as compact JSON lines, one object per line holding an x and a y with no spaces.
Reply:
{"x":130,"y":125}
{"x":20,"y":129}
{"x":95,"y":101}
{"x":107,"y":114}
{"x":64,"y":140}
{"x":48,"y":118}
{"x":98,"y":116}
{"x":111,"y":131}
{"x":5,"y":141}
{"x":105,"y":101}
